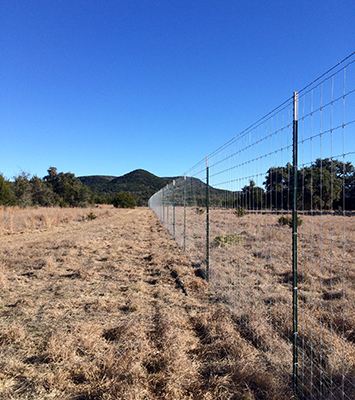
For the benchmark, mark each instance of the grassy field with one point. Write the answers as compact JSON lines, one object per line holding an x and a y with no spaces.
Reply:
{"x":251,"y":272}
{"x":110,"y":308}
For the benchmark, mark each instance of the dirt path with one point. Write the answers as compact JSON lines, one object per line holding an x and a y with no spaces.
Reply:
{"x":112,"y":309}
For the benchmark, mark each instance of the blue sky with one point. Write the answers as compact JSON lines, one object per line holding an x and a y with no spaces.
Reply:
{"x":106,"y":87}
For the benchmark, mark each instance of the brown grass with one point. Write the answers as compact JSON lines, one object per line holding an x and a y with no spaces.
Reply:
{"x":112,"y":309}
{"x":253,"y":277}
{"x":20,"y":220}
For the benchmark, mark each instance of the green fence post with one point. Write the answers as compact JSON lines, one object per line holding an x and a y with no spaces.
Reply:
{"x":207,"y":223}
{"x":163,"y":202}
{"x":294,"y":243}
{"x":174,"y":206}
{"x":167,"y":202}
{"x":184,"y":212}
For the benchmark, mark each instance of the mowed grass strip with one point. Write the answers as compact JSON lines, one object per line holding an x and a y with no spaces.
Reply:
{"x":110,"y":308}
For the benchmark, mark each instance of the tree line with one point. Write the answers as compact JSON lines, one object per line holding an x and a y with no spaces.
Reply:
{"x":325,"y":184}
{"x":54,"y":189}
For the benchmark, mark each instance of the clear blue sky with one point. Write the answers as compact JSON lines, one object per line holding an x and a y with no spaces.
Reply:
{"x":106,"y":87}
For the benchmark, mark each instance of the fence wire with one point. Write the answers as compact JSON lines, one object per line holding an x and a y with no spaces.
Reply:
{"x":236,"y":220}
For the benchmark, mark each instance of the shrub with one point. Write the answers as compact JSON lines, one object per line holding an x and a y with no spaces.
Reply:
{"x":6,"y":195}
{"x":68,"y":188}
{"x":91,"y":216}
{"x":289,"y":221}
{"x":284,"y":220}
{"x":240,"y":211}
{"x":299,"y":221}
{"x":22,"y":190}
{"x":226,"y":240}
{"x":63,"y":204}
{"x":124,"y":200}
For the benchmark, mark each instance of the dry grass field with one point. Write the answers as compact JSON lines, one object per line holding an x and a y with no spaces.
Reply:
{"x":251,"y":272}
{"x":110,"y":308}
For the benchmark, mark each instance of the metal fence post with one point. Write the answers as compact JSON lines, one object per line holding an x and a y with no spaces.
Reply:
{"x":207,"y":223}
{"x":167,"y":204}
{"x":184,"y":212}
{"x":163,"y":202}
{"x":294,"y":243}
{"x":174,"y":207}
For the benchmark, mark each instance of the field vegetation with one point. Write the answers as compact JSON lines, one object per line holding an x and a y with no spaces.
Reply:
{"x":251,"y":272}
{"x":110,"y":308}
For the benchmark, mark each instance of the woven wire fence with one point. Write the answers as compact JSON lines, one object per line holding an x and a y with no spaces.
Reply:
{"x":269,"y":220}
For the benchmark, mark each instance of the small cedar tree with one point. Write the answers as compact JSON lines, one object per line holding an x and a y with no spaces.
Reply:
{"x":124,"y":200}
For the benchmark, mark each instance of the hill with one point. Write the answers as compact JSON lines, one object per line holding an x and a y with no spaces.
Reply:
{"x":93,"y":179}
{"x":142,"y":184}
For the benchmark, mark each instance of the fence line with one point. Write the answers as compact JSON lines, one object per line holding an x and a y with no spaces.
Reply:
{"x":269,"y":219}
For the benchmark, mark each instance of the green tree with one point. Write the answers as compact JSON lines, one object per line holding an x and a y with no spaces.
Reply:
{"x":346,"y":174}
{"x":124,"y":200}
{"x":69,"y":188}
{"x":278,"y":187}
{"x":42,"y":193}
{"x":252,"y":197}
{"x":83,"y":196}
{"x":6,"y":195}
{"x":22,"y":189}
{"x":321,"y":184}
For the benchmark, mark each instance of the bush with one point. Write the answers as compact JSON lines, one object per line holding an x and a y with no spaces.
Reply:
{"x":68,"y":188}
{"x":6,"y":195}
{"x":102,"y":200}
{"x":91,"y":216}
{"x":63,"y":204}
{"x":240,"y":211}
{"x":289,"y":221}
{"x":226,"y":240}
{"x":124,"y":200}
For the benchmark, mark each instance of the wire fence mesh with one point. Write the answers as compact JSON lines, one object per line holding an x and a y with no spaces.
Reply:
{"x":271,"y":223}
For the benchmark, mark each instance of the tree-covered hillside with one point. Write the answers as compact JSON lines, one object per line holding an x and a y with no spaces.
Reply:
{"x":142,"y":184}
{"x":65,"y":189}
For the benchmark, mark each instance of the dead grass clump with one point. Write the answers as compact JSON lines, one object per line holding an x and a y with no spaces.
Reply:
{"x":100,"y":364}
{"x":11,"y":335}
{"x":321,"y":377}
{"x":61,"y":347}
{"x":114,"y":334}
{"x":3,"y":277}
{"x":231,"y":362}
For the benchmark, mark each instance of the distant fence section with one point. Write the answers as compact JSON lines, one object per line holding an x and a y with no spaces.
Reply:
{"x":269,"y":218}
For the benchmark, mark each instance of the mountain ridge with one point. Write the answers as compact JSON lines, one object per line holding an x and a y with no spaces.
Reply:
{"x":141,"y":183}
